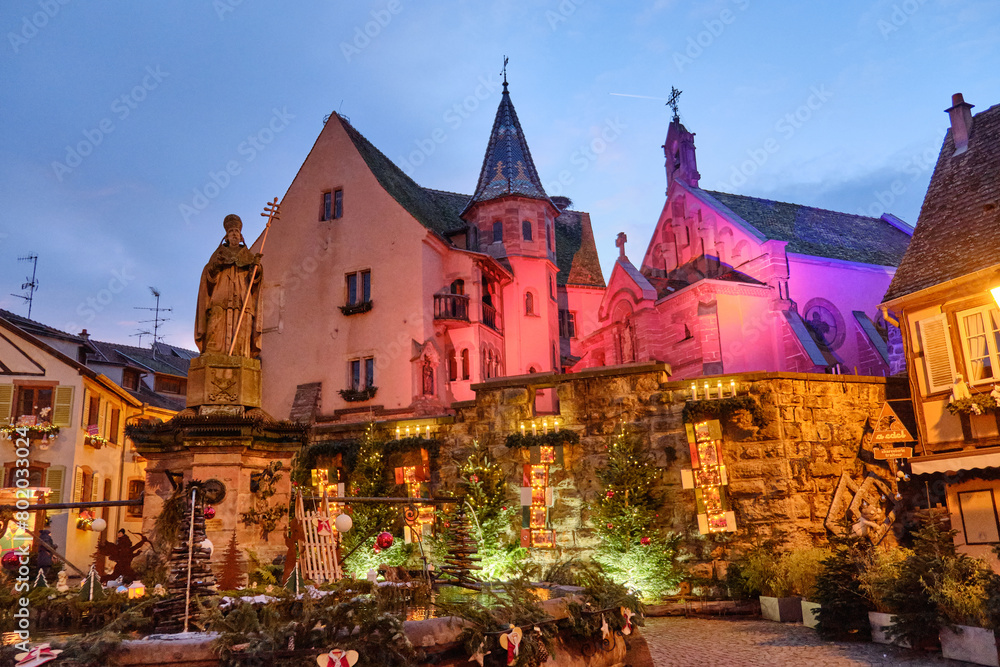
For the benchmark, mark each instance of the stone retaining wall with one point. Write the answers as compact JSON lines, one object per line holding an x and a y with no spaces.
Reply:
{"x":783,"y":472}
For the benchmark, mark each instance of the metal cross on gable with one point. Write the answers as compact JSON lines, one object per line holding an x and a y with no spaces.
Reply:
{"x":672,"y":102}
{"x":620,"y":242}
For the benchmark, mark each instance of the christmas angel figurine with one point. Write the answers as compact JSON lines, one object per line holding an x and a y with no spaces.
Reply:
{"x":511,"y":642}
{"x":338,"y":658}
{"x":959,"y":390}
{"x":995,"y":395}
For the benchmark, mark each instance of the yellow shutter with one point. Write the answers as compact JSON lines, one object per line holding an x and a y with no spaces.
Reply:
{"x":95,"y":488}
{"x":939,"y":360}
{"x":62,"y":411}
{"x":54,"y":480}
{"x":6,"y":403}
{"x":78,"y":486}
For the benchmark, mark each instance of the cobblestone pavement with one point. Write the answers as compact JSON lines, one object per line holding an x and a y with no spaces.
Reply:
{"x":708,"y":643}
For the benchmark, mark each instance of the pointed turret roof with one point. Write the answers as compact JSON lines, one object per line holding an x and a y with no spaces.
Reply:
{"x":507,"y":167}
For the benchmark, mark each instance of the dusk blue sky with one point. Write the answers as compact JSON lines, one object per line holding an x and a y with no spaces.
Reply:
{"x":164,"y":95}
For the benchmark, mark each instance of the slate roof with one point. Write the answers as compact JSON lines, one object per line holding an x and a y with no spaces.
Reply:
{"x":440,"y":211}
{"x":165,"y":359}
{"x":434,"y":209}
{"x":37,"y":328}
{"x":699,"y":268}
{"x":576,"y":251}
{"x":958,"y":231}
{"x":817,"y":231}
{"x":507,"y":167}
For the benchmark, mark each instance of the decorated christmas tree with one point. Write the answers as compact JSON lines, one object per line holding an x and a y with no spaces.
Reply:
{"x":634,"y":545}
{"x":369,"y":478}
{"x":40,"y":580}
{"x":487,"y":491}
{"x":231,"y":577}
{"x":461,"y":559}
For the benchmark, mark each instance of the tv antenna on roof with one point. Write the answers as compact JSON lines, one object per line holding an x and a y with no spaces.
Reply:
{"x":157,"y":320}
{"x":140,"y":334}
{"x":31,"y":285}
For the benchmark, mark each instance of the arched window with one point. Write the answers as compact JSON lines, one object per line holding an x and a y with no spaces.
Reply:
{"x":526,"y":230}
{"x":498,"y":232}
{"x":529,"y":303}
{"x":458,"y":287}
{"x":465,"y":364}
{"x":452,"y":366}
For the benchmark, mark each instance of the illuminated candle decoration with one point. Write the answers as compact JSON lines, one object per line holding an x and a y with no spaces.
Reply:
{"x":719,"y":396}
{"x":534,"y":429}
{"x":708,"y":478}
{"x":557,"y":425}
{"x":537,"y":496}
{"x":522,"y":429}
{"x":708,"y":393}
{"x":545,"y":426}
{"x":397,"y":433}
{"x":694,"y":391}
{"x":407,"y":431}
{"x":732,"y":388}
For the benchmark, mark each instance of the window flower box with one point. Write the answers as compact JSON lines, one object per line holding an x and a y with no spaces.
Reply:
{"x":36,"y":432}
{"x":356,"y":308}
{"x":977,"y":404}
{"x":96,"y":441}
{"x":357,"y":395}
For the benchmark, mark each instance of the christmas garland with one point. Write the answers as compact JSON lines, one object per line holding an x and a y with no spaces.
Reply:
{"x":725,"y":408}
{"x":550,"y":439}
{"x":306,"y":459}
{"x":357,"y":308}
{"x":977,"y":404}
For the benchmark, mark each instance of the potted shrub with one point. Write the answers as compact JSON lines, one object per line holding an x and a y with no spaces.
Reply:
{"x":843,"y":612}
{"x":803,"y":567}
{"x":960,"y":594}
{"x":766,"y":571}
{"x":916,"y":616}
{"x":880,"y":568}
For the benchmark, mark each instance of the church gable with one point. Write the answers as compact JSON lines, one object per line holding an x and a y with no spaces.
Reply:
{"x":626,"y":284}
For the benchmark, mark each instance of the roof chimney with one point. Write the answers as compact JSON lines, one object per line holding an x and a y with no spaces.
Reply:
{"x":84,"y":335}
{"x":961,"y":122}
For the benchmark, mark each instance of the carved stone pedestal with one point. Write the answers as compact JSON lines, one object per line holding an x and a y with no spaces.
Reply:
{"x":221,"y":384}
{"x":225,"y":451}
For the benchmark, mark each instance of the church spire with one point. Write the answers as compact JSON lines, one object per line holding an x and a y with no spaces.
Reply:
{"x":507,"y":166}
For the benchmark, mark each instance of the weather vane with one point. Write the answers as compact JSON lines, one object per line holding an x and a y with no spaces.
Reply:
{"x":672,"y":102}
{"x":505,"y":61}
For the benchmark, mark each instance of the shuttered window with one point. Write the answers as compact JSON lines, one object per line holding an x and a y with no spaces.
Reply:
{"x":6,"y":403}
{"x":62,"y":410}
{"x":54,"y":478}
{"x":939,"y":361}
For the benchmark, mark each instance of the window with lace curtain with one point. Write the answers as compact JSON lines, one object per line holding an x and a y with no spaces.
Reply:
{"x":980,"y":331}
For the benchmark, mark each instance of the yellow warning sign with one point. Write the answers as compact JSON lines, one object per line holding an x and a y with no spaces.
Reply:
{"x":888,"y":428}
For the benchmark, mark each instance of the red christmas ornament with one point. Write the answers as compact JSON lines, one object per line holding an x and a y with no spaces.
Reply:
{"x":610,"y":525}
{"x":377,"y":550}
{"x":384,"y":540}
{"x":474,"y":478}
{"x":503,"y":509}
{"x":610,"y":493}
{"x":10,"y":560}
{"x":644,"y":541}
{"x":209,"y":512}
